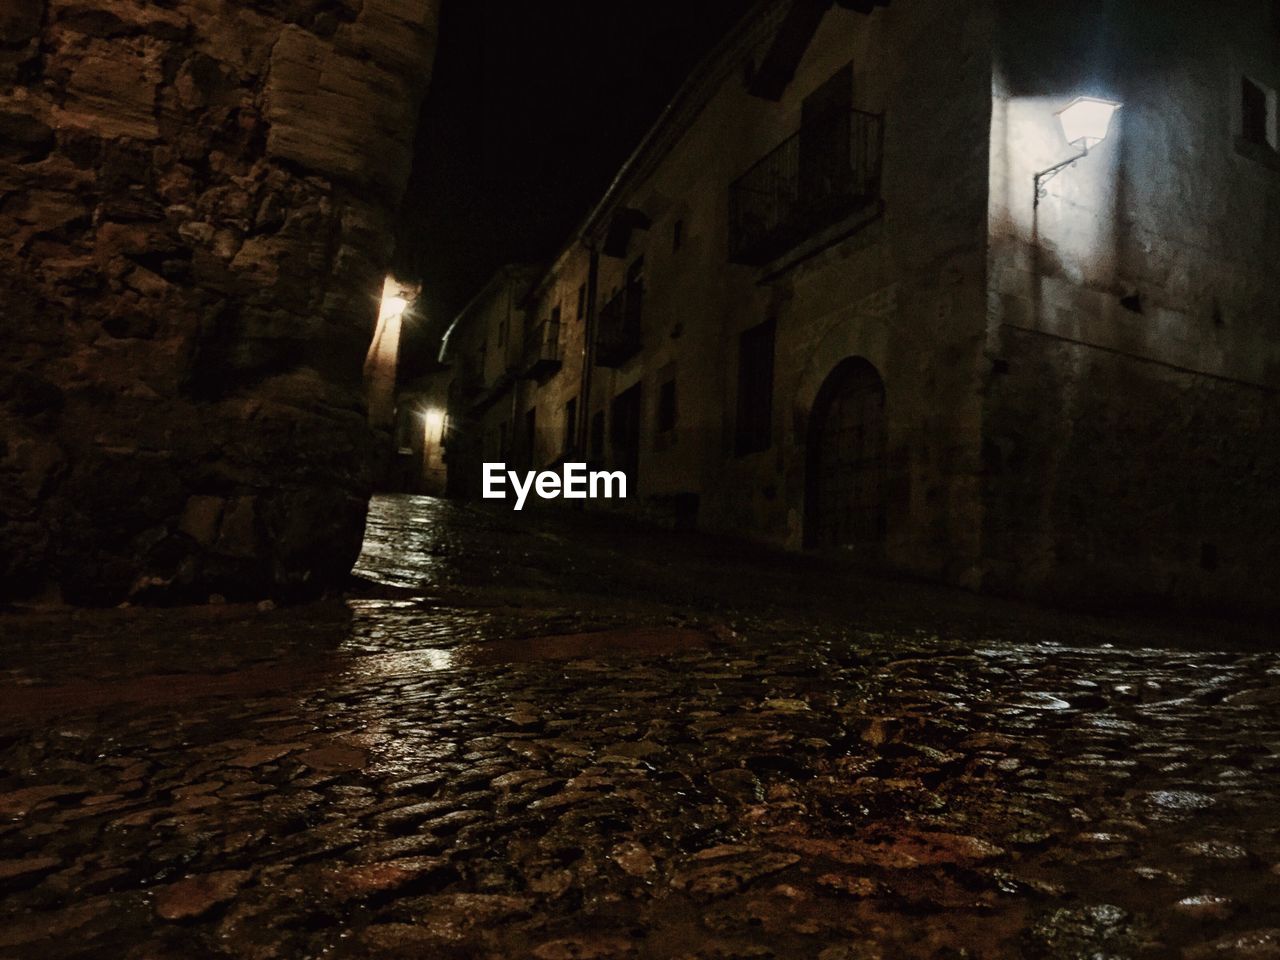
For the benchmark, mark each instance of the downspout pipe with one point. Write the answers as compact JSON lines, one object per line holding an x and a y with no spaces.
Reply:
{"x":589,"y":347}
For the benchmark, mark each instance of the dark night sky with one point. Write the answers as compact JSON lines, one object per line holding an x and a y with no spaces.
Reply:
{"x":533,"y":106}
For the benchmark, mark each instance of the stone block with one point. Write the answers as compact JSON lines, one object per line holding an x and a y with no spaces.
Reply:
{"x":326,"y":109}
{"x":202,"y":519}
{"x":238,"y":534}
{"x":112,"y":91}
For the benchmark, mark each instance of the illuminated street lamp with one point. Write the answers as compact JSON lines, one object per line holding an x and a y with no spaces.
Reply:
{"x":384,"y":350}
{"x":1085,"y":123}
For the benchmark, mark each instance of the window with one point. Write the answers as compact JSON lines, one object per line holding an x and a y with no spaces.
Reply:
{"x":677,"y":236}
{"x":531,"y":436}
{"x":555,"y":316}
{"x":582,"y":301}
{"x":405,"y":421}
{"x":826,"y":138}
{"x":755,"y":389}
{"x":597,"y":436}
{"x":1257,"y":114}
{"x":571,"y":425}
{"x":635,"y":290}
{"x":667,"y":399}
{"x":665,"y":436}
{"x":624,"y":432}
{"x":667,"y":407}
{"x":831,"y":99}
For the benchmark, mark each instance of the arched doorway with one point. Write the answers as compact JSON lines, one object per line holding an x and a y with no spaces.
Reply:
{"x":844,"y":504}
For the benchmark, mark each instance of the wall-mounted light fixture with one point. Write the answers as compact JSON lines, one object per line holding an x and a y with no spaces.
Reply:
{"x":384,"y":350}
{"x":1085,"y":123}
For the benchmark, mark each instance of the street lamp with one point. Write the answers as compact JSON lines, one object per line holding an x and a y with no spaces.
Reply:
{"x":384,"y":350}
{"x":394,"y":306}
{"x":1085,"y":123}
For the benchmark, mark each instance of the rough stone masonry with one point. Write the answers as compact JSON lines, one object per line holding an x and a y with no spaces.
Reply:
{"x":195,"y":220}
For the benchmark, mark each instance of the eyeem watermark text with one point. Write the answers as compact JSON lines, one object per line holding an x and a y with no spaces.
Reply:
{"x":574,"y":482}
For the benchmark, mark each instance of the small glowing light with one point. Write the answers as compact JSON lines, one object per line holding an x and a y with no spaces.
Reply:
{"x":433,"y":423}
{"x":396,"y":298}
{"x":1086,"y":121}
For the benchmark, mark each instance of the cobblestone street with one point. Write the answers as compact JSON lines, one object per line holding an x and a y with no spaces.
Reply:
{"x":535,"y":737}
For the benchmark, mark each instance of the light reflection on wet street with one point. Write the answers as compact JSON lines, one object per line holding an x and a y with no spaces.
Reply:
{"x":515,"y":738}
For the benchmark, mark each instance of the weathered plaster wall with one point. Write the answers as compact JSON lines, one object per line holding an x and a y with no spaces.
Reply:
{"x":195,"y":206}
{"x":1132,"y":415}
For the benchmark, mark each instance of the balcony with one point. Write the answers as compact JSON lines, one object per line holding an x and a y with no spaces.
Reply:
{"x":827,"y":171}
{"x":619,"y":336}
{"x":542,"y":354}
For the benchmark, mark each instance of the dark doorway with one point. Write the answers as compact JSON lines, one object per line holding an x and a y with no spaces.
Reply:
{"x":624,"y":435}
{"x":531,"y":438}
{"x":597,"y":437}
{"x":844,"y":505}
{"x":571,"y":427}
{"x":755,"y":389}
{"x":825,"y":133}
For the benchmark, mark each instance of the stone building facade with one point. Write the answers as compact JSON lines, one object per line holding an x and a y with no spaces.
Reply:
{"x":482,"y":352}
{"x":196,"y":205}
{"x":819,"y":307}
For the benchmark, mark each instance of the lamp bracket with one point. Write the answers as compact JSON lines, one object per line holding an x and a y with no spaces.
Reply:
{"x":1044,"y":176}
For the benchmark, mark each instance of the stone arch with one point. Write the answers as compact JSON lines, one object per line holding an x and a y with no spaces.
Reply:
{"x":845,"y":461}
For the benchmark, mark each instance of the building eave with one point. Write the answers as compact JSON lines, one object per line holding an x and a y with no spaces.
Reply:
{"x":500,"y":276}
{"x":680,"y":113}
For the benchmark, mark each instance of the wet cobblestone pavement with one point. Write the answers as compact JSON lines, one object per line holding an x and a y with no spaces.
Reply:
{"x":520,"y":741}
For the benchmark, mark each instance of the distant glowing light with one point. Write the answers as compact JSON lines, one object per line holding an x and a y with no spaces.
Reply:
{"x":394,"y":306}
{"x":433,"y":420}
{"x":1086,"y":121}
{"x":384,"y":350}
{"x":396,"y":299}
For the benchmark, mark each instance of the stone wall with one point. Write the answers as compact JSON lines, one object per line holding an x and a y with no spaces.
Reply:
{"x":196,"y":201}
{"x":1114,"y":480}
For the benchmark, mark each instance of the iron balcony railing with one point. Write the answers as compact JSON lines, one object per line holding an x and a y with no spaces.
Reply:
{"x":619,"y":336}
{"x":542,"y":354}
{"x":827,"y":171}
